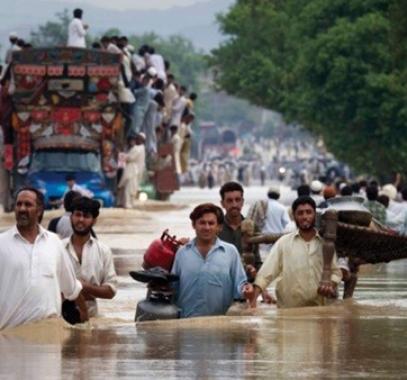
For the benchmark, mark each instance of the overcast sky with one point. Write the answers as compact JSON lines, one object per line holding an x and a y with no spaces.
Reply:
{"x":134,"y":4}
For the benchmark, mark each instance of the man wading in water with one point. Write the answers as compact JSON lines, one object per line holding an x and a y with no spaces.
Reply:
{"x":210,"y":271}
{"x":296,"y":262}
{"x":34,"y":267}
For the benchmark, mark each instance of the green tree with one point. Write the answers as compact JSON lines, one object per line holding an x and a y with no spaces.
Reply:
{"x":53,"y":33}
{"x":332,"y":66}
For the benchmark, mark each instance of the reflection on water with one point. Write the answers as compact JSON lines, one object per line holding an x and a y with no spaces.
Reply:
{"x":358,"y":338}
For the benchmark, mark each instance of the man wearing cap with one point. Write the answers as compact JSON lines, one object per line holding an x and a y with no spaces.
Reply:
{"x":92,"y":260}
{"x":316,"y":189}
{"x":77,"y":30}
{"x":13,"y":38}
{"x":134,"y":169}
{"x":276,"y":218}
{"x":396,"y":208}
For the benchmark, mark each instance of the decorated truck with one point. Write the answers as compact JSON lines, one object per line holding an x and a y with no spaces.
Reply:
{"x":63,"y":120}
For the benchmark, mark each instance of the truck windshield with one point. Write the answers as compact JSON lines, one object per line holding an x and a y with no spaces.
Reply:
{"x":65,"y":161}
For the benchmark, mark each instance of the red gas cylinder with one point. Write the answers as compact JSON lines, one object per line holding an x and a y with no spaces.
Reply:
{"x":161,"y":252}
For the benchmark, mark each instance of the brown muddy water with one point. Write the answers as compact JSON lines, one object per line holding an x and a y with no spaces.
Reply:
{"x":362,"y":338}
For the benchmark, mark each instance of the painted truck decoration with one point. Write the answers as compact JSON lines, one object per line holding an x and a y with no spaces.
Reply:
{"x":65,"y":116}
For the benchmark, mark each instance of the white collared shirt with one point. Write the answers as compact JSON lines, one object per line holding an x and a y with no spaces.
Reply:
{"x":97,"y":266}
{"x":32,"y":277}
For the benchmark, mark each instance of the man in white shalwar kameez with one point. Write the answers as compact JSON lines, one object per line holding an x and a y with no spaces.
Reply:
{"x":134,"y":170}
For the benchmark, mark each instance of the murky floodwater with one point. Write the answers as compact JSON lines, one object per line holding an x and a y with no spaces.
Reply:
{"x":359,"y":338}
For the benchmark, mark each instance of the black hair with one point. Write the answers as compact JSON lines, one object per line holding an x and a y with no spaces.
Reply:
{"x":346,"y":190}
{"x":303,"y":190}
{"x":70,"y":177}
{"x":40,"y":196}
{"x":384,"y":200}
{"x":303,"y":200}
{"x":77,"y":13}
{"x":273,"y":195}
{"x":158,"y":84}
{"x":167,"y":65}
{"x":355,"y":188}
{"x":86,"y":205}
{"x":40,"y":200}
{"x":69,"y":197}
{"x":404,"y":193}
{"x":207,"y":208}
{"x":159,"y":98}
{"x":372,"y":191}
{"x":143,"y":50}
{"x":230,"y":186}
{"x":362,"y":183}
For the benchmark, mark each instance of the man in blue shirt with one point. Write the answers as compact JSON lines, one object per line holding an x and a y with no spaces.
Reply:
{"x":210,"y":270}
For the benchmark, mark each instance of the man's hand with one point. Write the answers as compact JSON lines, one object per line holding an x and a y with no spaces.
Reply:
{"x":327,"y":289}
{"x":247,"y":291}
{"x":85,"y":291}
{"x":252,"y":295}
{"x":184,"y":240}
{"x":268,"y":298}
{"x":83,"y":310}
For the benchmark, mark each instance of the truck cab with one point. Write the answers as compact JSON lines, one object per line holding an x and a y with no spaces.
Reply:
{"x":49,"y":169}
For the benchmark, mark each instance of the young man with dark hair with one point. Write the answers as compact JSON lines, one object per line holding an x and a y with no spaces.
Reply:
{"x":232,"y":201}
{"x":376,"y":208}
{"x":62,"y":225}
{"x":34,"y":267}
{"x":210,"y":272}
{"x":91,"y":259}
{"x":295,"y":261}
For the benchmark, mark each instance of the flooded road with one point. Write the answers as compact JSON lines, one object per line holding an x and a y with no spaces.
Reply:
{"x":360,"y":338}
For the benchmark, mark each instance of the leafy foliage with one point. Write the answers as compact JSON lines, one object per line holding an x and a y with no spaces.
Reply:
{"x":53,"y":33}
{"x":337,"y":67}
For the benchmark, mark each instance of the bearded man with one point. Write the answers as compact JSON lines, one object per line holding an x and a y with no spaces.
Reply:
{"x":34,"y":267}
{"x":92,"y":260}
{"x":295,"y":261}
